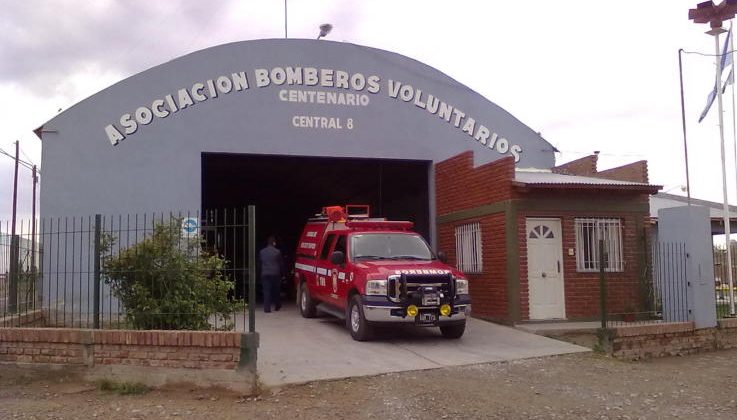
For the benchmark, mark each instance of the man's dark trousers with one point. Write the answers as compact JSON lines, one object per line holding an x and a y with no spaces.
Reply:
{"x":271,"y":285}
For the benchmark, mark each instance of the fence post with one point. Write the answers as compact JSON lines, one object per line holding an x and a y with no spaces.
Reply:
{"x":602,"y":286}
{"x":96,"y":278}
{"x":251,"y":269}
{"x":14,"y":274}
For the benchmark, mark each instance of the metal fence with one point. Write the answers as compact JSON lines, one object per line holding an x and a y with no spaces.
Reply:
{"x":18,"y":254}
{"x":721,"y":281}
{"x":144,"y":271}
{"x":662,"y":295}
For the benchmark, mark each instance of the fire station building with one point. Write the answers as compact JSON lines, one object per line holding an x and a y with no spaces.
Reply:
{"x":293,"y":125}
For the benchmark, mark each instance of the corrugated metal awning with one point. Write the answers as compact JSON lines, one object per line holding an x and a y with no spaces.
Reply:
{"x":547,"y":179}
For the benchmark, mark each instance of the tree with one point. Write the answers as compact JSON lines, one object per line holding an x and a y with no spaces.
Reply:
{"x":169,"y":282}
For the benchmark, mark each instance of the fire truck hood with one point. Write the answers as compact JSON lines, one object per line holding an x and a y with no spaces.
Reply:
{"x":388,"y":267}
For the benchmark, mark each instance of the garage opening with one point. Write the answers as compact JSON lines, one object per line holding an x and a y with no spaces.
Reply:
{"x":287,"y":190}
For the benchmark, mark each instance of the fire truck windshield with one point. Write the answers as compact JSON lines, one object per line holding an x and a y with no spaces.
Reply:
{"x":389,"y":246}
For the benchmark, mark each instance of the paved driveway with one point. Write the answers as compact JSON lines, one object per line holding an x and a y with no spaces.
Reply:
{"x":296,"y":350}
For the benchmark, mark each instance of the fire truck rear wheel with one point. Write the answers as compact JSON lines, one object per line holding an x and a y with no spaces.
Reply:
{"x":453,"y":331}
{"x":307,"y":306}
{"x":356,"y":320}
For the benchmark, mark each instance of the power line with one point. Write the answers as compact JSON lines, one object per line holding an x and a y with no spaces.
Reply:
{"x":29,"y":159}
{"x":21,"y":161}
{"x":707,"y":54}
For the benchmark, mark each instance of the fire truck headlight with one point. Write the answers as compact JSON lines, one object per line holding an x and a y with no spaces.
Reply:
{"x":461,"y":286}
{"x":412,"y":310}
{"x":376,"y":287}
{"x":445,"y":309}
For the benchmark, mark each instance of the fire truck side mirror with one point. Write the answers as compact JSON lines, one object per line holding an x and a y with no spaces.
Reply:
{"x":337,"y":258}
{"x":442,"y":257}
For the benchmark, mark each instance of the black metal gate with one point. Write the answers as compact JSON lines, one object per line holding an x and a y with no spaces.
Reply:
{"x":55,"y":275}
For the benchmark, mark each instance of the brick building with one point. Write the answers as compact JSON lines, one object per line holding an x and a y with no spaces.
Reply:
{"x":528,"y":239}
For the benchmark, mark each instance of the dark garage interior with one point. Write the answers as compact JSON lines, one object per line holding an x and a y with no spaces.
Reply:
{"x":287,"y":190}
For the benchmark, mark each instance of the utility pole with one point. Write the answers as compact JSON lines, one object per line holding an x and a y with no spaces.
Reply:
{"x":15,"y":189}
{"x":33,"y":227}
{"x":14,"y":243}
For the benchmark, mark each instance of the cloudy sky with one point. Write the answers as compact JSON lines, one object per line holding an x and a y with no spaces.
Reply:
{"x":588,"y":78}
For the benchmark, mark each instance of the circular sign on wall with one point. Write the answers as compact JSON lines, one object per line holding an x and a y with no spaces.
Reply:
{"x":190,"y":227}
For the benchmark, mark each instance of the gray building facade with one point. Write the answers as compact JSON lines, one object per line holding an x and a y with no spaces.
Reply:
{"x":141,"y":144}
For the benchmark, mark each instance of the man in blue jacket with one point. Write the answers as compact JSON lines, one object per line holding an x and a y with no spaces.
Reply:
{"x":272,"y":271}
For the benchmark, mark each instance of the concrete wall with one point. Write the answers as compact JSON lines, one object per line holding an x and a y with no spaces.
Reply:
{"x":690,"y":225}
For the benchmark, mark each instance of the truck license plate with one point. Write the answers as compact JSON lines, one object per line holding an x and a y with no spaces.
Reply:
{"x":430,"y":299}
{"x":426,"y":318}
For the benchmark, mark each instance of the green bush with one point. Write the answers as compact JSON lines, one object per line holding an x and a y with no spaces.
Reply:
{"x":168,"y":282}
{"x":122,"y":388}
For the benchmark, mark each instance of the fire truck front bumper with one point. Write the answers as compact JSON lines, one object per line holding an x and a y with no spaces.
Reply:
{"x":378,"y":309}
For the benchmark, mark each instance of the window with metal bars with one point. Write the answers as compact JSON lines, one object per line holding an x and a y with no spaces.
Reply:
{"x":468,"y":248}
{"x":589,"y":231}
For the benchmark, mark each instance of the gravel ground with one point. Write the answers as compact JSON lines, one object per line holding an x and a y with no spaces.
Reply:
{"x":580,"y":386}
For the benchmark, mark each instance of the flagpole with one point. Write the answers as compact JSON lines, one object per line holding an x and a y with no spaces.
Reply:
{"x":683,"y":123}
{"x":734,"y":142}
{"x":725,"y":204}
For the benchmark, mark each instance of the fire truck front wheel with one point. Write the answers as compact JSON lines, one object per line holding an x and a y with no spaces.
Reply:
{"x":454,"y":330}
{"x":307,"y":306}
{"x":356,"y":320}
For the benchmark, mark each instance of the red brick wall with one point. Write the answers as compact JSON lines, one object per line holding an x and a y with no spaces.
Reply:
{"x":633,"y":172}
{"x":460,"y":186}
{"x":582,"y":288}
{"x":584,"y":166}
{"x":489,"y":288}
{"x":172,"y":349}
{"x":668,"y":339}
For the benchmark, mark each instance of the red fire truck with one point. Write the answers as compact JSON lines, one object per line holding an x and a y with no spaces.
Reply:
{"x":372,"y":272}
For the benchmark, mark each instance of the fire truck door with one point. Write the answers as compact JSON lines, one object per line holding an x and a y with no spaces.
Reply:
{"x":339,"y":279}
{"x":323,"y":279}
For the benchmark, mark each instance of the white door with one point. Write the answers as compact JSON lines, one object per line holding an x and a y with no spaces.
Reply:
{"x":545,"y":269}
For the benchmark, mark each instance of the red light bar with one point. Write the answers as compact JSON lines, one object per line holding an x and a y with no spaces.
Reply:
{"x":379,"y":224}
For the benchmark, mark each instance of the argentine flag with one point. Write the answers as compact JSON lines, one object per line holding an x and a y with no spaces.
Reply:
{"x":726,"y":61}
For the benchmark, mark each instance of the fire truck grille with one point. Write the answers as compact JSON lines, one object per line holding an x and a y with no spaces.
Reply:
{"x":403,"y":287}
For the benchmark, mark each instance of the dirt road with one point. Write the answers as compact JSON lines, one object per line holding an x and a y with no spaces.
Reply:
{"x":580,"y":386}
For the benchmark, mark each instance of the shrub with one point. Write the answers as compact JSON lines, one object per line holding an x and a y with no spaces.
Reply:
{"x":122,"y":388}
{"x":169,"y":282}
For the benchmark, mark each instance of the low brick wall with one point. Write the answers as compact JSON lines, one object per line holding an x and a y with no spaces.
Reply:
{"x":667,"y":339}
{"x":203,"y":358}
